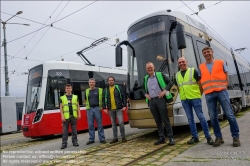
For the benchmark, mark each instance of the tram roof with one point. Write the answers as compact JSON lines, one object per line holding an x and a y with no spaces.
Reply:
{"x":187,"y":19}
{"x":79,"y":66}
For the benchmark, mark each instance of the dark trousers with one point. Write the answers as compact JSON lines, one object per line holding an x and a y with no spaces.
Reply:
{"x":158,"y":108}
{"x":72,"y":121}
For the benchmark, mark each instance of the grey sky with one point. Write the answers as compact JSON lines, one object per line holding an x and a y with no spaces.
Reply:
{"x":101,"y":19}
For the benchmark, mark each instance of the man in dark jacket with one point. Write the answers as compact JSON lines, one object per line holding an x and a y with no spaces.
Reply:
{"x":157,"y":86}
{"x":114,"y":103}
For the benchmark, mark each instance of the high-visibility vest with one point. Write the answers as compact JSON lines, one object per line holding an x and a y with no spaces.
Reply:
{"x":214,"y":81}
{"x":99,"y":97}
{"x":161,"y":82}
{"x":106,"y":94}
{"x":188,"y":86}
{"x":65,"y":106}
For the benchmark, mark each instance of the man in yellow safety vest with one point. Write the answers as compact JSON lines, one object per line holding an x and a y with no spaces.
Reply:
{"x":93,"y":98}
{"x":70,"y":112}
{"x":187,"y":79}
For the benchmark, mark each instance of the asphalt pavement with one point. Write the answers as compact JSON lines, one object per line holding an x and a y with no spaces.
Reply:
{"x":224,"y":155}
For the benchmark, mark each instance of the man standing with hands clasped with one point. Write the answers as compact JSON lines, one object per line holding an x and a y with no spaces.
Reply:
{"x":70,"y":112}
{"x":156,"y":87}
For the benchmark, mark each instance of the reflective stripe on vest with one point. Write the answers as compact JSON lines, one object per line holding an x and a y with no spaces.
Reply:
{"x":161,"y":82}
{"x":66,"y":106}
{"x":214,"y":81}
{"x":99,"y":97}
{"x":188,"y":86}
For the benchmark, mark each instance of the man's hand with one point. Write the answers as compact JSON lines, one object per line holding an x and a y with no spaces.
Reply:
{"x":162,"y":94}
{"x":63,"y":119}
{"x":79,"y":116}
{"x":147,"y":96}
{"x":124,"y":108}
{"x":106,"y":111}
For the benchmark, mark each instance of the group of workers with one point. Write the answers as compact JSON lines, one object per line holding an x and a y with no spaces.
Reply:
{"x":112,"y":100}
{"x":211,"y":79}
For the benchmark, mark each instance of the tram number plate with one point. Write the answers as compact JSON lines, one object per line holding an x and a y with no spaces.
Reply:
{"x":59,"y":73}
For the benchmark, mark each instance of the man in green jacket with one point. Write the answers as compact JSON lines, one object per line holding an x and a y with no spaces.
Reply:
{"x":156,"y":87}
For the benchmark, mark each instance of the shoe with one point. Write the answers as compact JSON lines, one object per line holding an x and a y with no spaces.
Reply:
{"x":124,"y":140}
{"x":171,"y":142}
{"x":114,"y":141}
{"x":160,"y":142}
{"x":210,"y":141}
{"x":236,"y":142}
{"x":90,"y":142}
{"x":103,"y":142}
{"x":193,"y":140}
{"x":218,"y":142}
{"x":76,"y":144}
{"x":63,"y":147}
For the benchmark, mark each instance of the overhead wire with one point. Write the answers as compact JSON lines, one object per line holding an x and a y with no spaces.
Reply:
{"x":53,"y":22}
{"x":209,"y":26}
{"x":76,"y":33}
{"x":42,"y":35}
{"x":12,"y":57}
{"x":25,"y":58}
{"x":184,"y":5}
{"x":36,"y":31}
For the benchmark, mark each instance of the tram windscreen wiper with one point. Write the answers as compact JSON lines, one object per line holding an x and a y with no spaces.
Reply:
{"x":163,"y":65}
{"x":34,"y":104}
{"x":35,"y":100}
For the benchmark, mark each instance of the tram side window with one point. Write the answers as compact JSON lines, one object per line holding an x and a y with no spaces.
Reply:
{"x":189,"y":53}
{"x":19,"y":110}
{"x":79,"y":89}
{"x":244,"y":74}
{"x":55,"y":89}
{"x":248,"y":82}
{"x":233,"y":78}
{"x":241,"y":74}
{"x":218,"y":54}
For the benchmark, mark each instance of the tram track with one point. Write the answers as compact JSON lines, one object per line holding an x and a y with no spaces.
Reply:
{"x":141,"y":145}
{"x":155,"y":151}
{"x":7,"y":137}
{"x":130,"y":138}
{"x":24,"y":143}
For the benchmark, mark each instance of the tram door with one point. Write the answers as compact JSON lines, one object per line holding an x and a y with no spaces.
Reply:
{"x":200,"y":46}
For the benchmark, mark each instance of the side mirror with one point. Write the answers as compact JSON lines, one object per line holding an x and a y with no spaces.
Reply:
{"x":91,"y":74}
{"x":118,"y":56}
{"x":103,"y":84}
{"x":180,"y":35}
{"x":128,"y":82}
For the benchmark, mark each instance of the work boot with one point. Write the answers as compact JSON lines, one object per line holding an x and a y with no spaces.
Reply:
{"x":236,"y":142}
{"x":103,"y":141}
{"x":75,"y":144}
{"x":160,"y":141}
{"x":210,"y":141}
{"x":171,"y":142}
{"x":64,"y":146}
{"x":124,"y":140}
{"x":90,"y":142}
{"x":193,"y":140}
{"x":218,"y":142}
{"x":114,"y":141}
